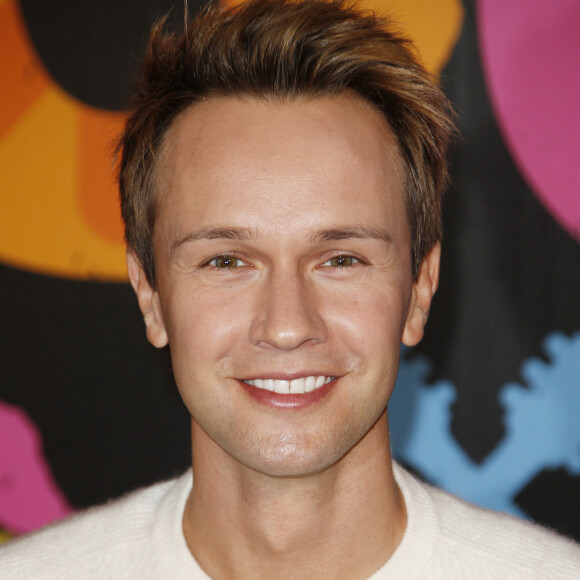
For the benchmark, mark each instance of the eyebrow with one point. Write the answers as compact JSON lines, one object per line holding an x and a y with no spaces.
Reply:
{"x":216,"y":233}
{"x":245,"y":234}
{"x":347,"y":233}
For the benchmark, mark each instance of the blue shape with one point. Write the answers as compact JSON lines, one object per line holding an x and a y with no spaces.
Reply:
{"x":542,"y":427}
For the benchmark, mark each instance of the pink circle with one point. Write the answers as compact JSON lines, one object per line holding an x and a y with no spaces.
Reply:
{"x":531,"y":57}
{"x":29,"y":496}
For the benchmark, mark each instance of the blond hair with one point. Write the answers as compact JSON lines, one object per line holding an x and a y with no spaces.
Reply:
{"x":286,"y":49}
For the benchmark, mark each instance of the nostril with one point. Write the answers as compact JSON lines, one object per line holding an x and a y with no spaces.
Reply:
{"x":287,"y":323}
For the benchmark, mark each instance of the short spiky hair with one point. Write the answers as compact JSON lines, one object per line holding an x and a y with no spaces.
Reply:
{"x":282,"y":50}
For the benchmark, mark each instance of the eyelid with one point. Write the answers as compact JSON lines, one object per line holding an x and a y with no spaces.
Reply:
{"x":227,"y":256}
{"x":344,"y":255}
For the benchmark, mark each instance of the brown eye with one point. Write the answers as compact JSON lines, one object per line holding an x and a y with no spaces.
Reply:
{"x":226,"y":262}
{"x":341,"y":262}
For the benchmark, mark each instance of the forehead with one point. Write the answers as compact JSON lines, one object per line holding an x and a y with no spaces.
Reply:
{"x":327,"y":150}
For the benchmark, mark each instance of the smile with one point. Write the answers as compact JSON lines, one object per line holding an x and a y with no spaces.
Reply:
{"x":293,"y":387}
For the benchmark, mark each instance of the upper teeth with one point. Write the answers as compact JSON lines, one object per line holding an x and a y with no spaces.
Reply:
{"x":296,"y":386}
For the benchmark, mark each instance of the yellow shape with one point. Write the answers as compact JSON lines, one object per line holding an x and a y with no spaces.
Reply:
{"x":433,"y":25}
{"x":41,"y":223}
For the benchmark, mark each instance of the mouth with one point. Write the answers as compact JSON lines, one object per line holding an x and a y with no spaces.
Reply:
{"x":291,"y":387}
{"x":298,"y":393}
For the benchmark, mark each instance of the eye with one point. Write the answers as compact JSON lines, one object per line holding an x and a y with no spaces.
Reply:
{"x":226,"y":262}
{"x":341,"y":261}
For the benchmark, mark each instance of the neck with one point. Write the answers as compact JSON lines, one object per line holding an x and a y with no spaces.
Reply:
{"x":346,"y":520}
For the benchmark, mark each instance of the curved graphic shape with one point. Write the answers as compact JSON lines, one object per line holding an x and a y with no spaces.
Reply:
{"x":19,"y":67}
{"x":99,"y":204}
{"x":433,"y":26}
{"x":29,"y":497}
{"x":530,"y":54}
{"x":42,"y":223}
{"x":542,"y":428}
{"x":90,"y":48}
{"x":59,"y":203}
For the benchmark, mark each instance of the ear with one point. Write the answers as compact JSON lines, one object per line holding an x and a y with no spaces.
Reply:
{"x":421,"y":295}
{"x":148,"y":301}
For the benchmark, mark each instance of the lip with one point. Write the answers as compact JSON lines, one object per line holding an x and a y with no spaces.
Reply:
{"x":288,"y":401}
{"x":281,"y":376}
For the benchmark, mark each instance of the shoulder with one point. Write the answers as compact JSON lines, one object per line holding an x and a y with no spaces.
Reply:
{"x":120,"y":534}
{"x":467,"y":538}
{"x":506,"y":540}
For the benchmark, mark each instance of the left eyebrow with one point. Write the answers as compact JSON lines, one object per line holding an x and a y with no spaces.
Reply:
{"x":347,"y":233}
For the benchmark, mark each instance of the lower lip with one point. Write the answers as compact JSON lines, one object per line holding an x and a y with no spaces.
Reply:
{"x":294,"y":401}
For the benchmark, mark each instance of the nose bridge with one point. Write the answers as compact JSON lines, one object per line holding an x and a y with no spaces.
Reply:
{"x":287,"y":312}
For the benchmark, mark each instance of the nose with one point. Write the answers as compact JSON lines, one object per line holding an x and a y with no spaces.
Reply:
{"x":287,"y":313}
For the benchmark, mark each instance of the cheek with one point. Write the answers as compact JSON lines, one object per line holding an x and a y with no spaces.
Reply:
{"x":204,"y":326}
{"x":372,"y":319}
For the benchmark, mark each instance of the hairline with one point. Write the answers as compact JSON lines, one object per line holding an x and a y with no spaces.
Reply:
{"x":268,"y":97}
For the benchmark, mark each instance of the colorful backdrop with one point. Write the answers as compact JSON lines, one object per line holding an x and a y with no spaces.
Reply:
{"x":487,"y":406}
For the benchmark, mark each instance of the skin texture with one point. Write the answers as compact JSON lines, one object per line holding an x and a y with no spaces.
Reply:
{"x":282,"y":250}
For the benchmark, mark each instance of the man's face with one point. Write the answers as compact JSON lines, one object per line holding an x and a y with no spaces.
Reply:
{"x":282,"y":253}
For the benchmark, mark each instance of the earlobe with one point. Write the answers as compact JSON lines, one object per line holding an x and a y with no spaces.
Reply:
{"x":422,"y":295}
{"x":148,"y":299}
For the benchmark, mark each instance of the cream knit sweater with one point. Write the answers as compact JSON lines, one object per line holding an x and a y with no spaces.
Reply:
{"x":139,"y":537}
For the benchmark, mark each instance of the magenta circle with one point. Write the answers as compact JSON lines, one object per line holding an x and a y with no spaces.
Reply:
{"x":531,"y":58}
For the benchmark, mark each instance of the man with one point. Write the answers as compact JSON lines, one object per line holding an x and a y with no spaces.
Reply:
{"x":281,"y":181}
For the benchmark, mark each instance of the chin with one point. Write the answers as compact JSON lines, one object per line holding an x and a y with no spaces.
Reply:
{"x":294,"y":459}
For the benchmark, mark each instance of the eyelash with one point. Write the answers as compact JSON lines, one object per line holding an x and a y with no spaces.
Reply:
{"x":214,"y":262}
{"x":343,"y":257}
{"x":238,"y":262}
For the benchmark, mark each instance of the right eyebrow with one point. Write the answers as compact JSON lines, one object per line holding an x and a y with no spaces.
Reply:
{"x":215,"y":233}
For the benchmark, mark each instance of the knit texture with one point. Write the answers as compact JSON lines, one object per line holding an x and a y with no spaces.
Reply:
{"x":449,"y":539}
{"x":140,"y":537}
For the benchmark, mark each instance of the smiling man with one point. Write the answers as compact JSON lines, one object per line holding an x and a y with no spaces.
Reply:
{"x":281,"y":182}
